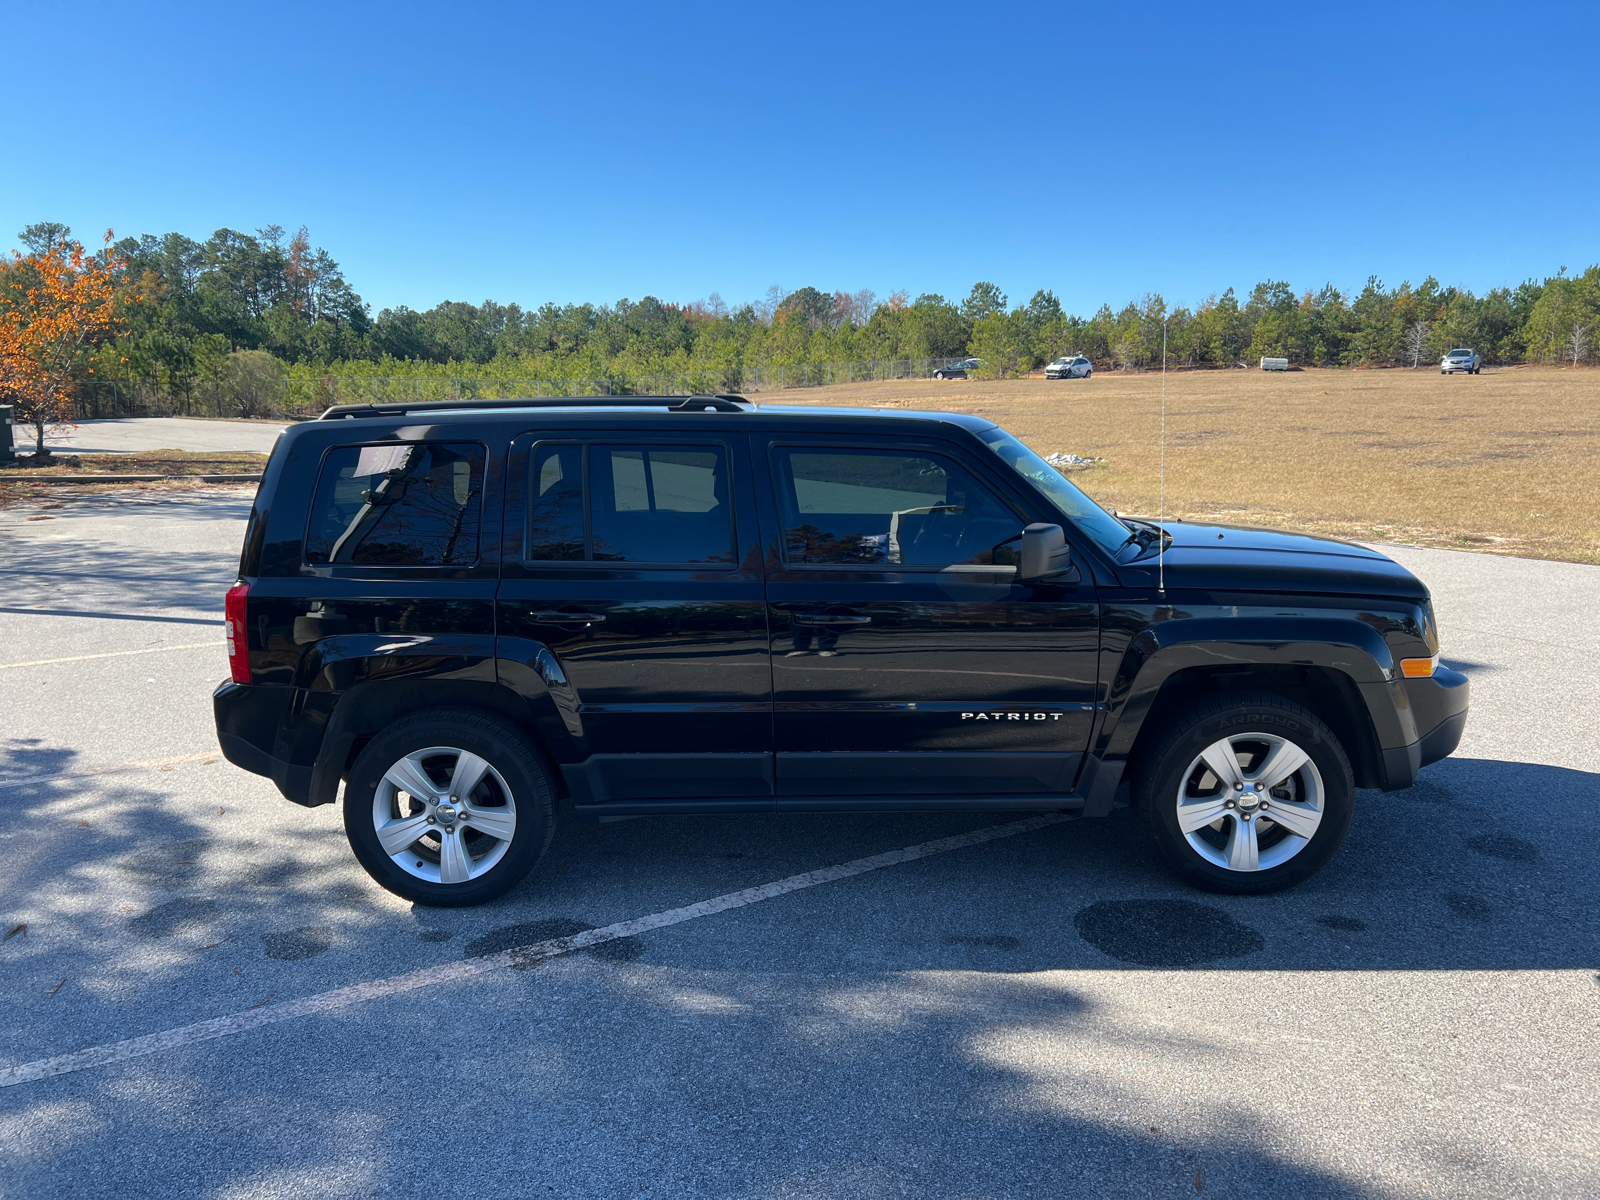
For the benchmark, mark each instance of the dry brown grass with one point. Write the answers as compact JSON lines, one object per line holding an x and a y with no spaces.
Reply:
{"x":1507,"y":461}
{"x":180,"y":466}
{"x":148,"y":462}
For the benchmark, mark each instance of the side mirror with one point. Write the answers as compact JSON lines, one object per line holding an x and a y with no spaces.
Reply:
{"x":1044,"y":552}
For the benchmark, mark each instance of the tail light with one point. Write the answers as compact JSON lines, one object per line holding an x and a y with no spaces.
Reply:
{"x":233,"y":612}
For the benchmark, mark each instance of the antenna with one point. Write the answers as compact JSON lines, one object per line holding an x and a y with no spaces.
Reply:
{"x":1161,"y":521}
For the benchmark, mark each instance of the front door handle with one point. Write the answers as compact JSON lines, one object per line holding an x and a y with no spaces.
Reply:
{"x":567,"y":618}
{"x":828,"y":619}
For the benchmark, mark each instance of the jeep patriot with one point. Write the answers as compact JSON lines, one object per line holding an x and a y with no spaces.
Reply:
{"x":470,"y":612}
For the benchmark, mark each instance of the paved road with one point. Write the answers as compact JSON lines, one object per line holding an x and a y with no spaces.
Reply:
{"x":1422,"y":1015}
{"x":134,"y":434}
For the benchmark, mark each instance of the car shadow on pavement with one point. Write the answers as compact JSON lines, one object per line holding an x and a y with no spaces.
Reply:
{"x":1443,"y":876}
{"x":921,"y":1030}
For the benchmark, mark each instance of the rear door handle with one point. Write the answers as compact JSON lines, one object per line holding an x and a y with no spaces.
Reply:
{"x":828,"y":619}
{"x":567,"y":618}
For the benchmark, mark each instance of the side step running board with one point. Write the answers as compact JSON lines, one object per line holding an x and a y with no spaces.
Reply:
{"x":1063,"y":802}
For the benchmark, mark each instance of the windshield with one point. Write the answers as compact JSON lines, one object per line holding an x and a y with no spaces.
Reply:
{"x":1461,"y":354}
{"x":1087,"y":516}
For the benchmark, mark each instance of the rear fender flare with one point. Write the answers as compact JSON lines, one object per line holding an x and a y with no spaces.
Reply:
{"x":370,"y":706}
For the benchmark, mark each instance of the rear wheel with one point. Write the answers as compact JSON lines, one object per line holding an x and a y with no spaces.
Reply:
{"x":449,"y":808}
{"x":1246,"y":795}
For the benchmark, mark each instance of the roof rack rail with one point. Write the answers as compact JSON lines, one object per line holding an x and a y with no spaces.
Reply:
{"x":717,"y":403}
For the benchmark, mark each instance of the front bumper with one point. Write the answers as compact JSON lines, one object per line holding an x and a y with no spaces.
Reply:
{"x":1439,"y":709}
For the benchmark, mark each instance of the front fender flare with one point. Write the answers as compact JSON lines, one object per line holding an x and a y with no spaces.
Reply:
{"x":1350,"y":647}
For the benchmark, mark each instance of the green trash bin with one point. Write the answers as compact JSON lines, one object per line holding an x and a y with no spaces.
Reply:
{"x":7,"y":451}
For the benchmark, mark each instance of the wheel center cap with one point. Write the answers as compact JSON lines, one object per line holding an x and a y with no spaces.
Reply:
{"x":446,"y":813}
{"x":1249,"y":798}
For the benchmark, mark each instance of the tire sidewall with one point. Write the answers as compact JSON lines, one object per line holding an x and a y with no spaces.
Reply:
{"x":1159,"y":787}
{"x":509,"y":754}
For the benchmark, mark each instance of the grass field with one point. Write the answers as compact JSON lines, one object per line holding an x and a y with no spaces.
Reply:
{"x":1507,"y":461}
{"x":180,"y":466}
{"x":150,"y":462}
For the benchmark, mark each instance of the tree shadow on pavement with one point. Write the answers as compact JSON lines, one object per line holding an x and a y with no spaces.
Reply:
{"x":102,"y":579}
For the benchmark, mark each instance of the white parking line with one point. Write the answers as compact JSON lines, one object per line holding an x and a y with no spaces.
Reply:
{"x":46,"y":662}
{"x":517,"y":956}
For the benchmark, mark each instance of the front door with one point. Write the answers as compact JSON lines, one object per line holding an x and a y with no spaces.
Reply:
{"x":639,"y":578}
{"x":907,"y":659}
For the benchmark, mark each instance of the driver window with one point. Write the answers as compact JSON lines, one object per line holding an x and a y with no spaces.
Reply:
{"x":889,"y":508}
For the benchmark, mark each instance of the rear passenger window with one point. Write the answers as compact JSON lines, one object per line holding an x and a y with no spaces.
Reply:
{"x":555,"y":527}
{"x":634,"y":504}
{"x":889,"y":508}
{"x":418,"y":504}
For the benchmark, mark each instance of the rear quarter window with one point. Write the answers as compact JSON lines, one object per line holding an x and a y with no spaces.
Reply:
{"x":401,"y":505}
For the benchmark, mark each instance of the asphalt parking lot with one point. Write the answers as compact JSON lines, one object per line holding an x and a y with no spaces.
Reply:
{"x":1040,"y":1013}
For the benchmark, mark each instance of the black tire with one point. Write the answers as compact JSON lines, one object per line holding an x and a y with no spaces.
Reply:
{"x":1165,"y":769}
{"x":513,"y":760}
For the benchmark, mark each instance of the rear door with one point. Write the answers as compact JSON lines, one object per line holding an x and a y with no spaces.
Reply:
{"x":639,"y":575}
{"x":907,"y":660}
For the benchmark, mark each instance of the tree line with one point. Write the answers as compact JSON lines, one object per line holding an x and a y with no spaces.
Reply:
{"x":240,"y":306}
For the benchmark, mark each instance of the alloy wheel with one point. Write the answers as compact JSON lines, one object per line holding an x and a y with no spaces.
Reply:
{"x":1250,"y":802}
{"x":444,"y":815}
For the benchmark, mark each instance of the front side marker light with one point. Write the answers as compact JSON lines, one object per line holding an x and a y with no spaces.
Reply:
{"x":1419,"y":668}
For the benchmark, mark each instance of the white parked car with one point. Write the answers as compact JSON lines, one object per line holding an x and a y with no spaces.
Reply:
{"x":1069,"y":366}
{"x":1460,"y":360}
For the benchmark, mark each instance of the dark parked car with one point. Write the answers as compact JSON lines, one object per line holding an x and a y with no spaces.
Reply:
{"x":960,"y":369}
{"x":471,"y":613}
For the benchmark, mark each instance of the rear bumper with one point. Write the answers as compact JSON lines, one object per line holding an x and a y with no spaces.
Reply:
{"x":271,"y":730}
{"x":1439,"y":707}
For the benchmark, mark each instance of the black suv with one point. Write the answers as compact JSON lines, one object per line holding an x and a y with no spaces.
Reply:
{"x":469,"y":612}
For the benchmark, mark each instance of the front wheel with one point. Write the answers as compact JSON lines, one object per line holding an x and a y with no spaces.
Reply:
{"x":449,"y":808}
{"x":1246,"y":795}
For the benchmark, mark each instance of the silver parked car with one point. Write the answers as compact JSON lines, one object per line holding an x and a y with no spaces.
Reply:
{"x":1069,"y":366}
{"x":1460,"y":360}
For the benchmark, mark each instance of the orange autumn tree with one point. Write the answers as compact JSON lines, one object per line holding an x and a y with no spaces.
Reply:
{"x":55,"y":304}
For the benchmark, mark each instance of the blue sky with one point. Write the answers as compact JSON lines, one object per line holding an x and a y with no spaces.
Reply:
{"x":532,"y":153}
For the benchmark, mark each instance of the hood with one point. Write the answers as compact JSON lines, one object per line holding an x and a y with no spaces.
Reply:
{"x":1227,"y":558}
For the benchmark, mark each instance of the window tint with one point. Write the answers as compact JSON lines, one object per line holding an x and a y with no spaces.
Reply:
{"x":653,"y":504}
{"x":659,"y":504}
{"x":417,"y":504}
{"x":555,"y":525}
{"x":888,"y":507}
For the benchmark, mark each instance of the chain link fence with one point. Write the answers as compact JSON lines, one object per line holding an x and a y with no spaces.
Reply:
{"x":303,"y":397}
